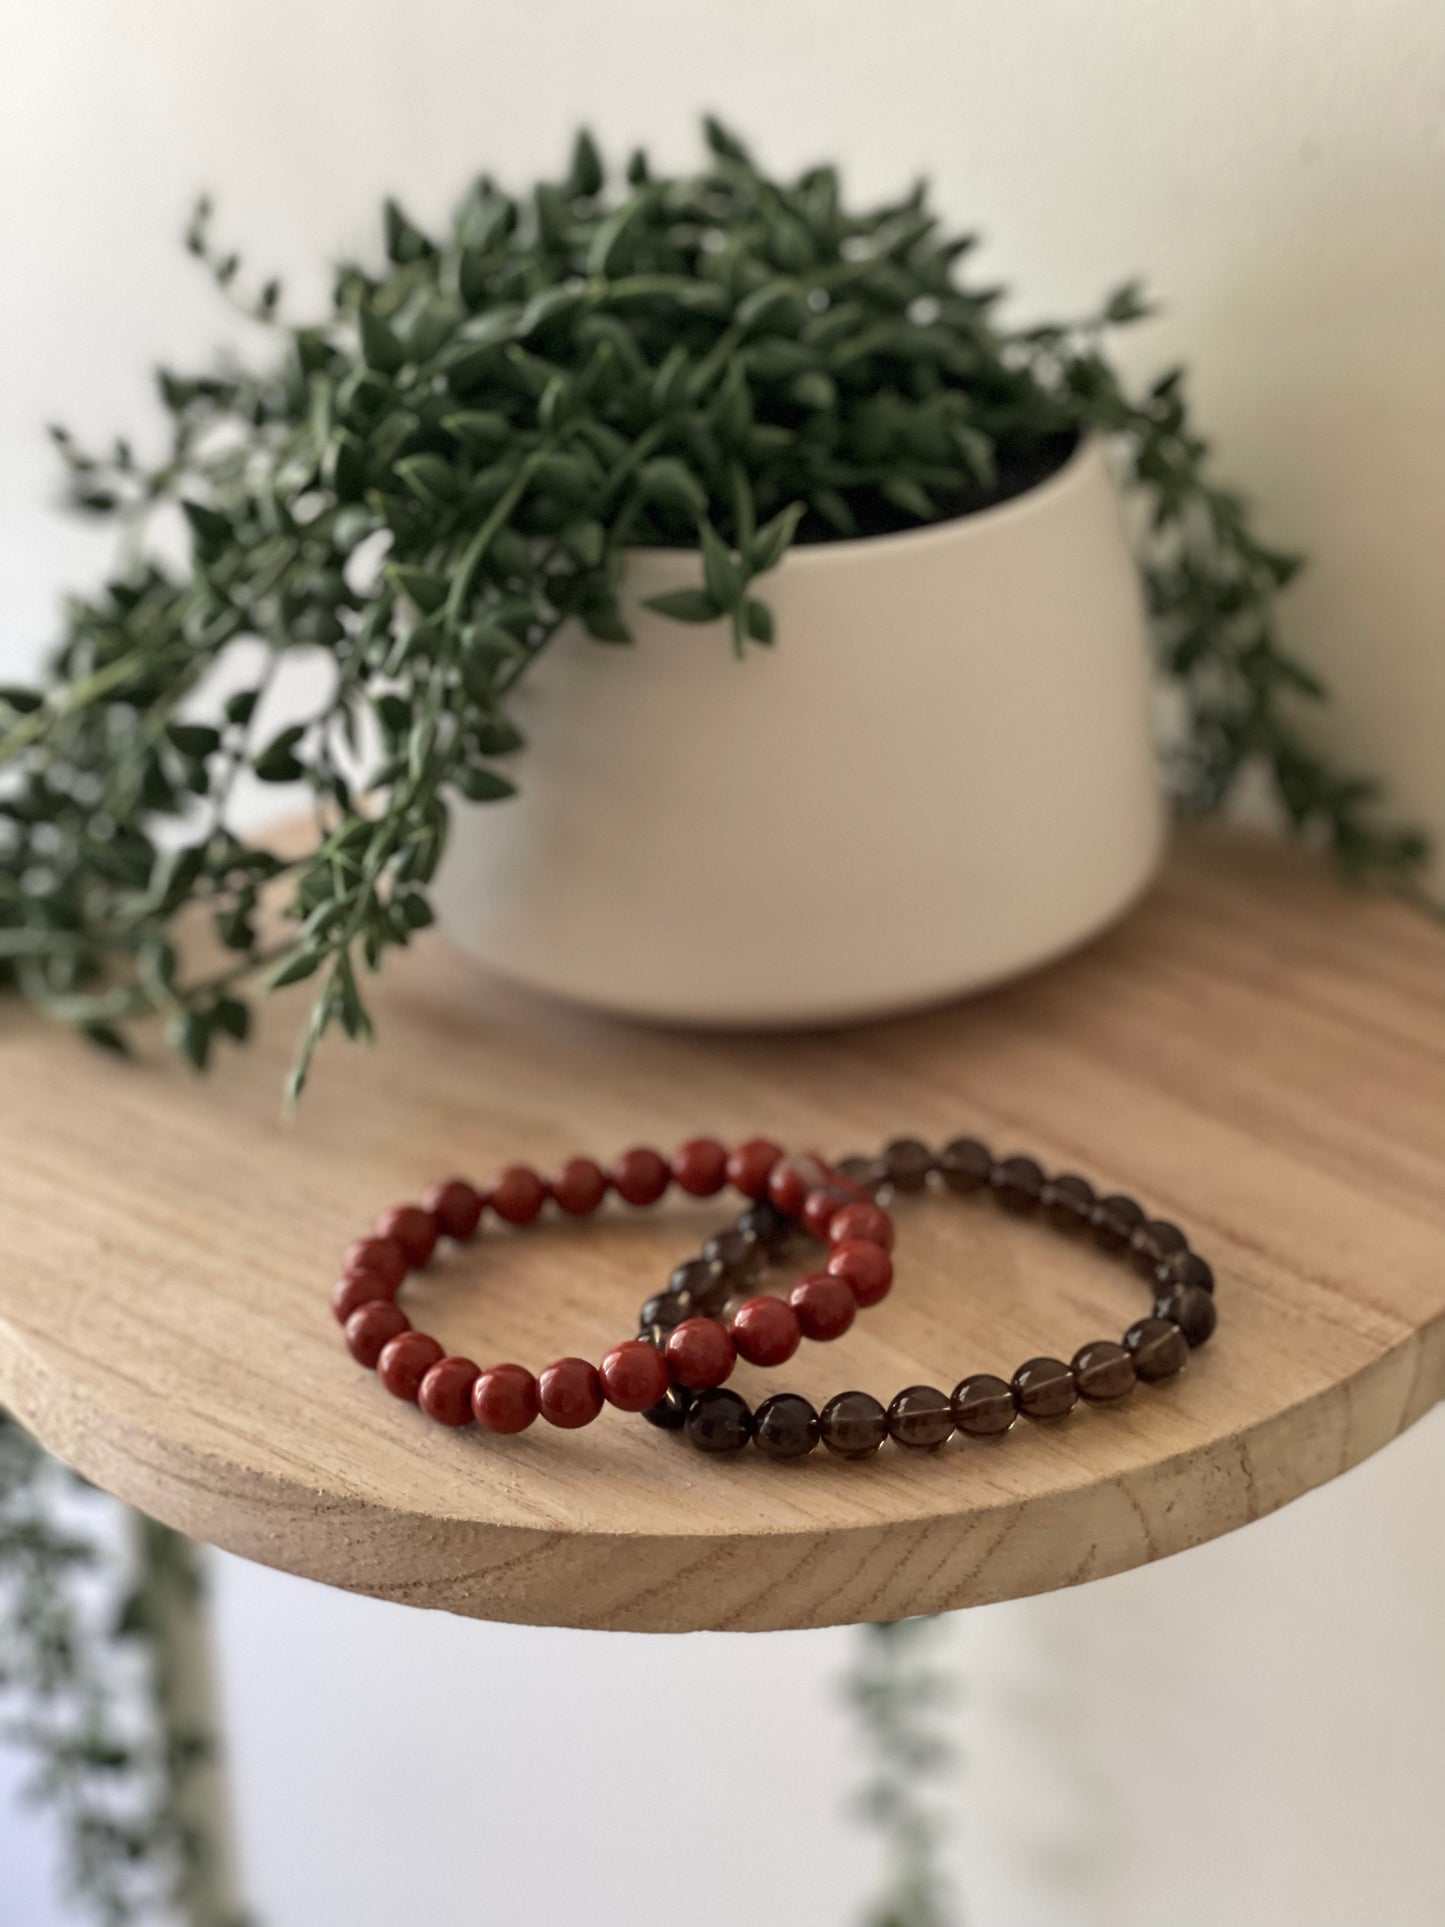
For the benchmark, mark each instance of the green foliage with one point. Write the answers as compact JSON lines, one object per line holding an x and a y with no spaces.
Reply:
{"x":76,"y":1615}
{"x":428,"y":480}
{"x":897,"y":1696}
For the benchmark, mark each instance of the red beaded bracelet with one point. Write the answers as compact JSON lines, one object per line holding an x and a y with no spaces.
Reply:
{"x":697,"y":1353}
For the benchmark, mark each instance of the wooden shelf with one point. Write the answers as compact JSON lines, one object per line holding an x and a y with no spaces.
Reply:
{"x":1254,"y":1052}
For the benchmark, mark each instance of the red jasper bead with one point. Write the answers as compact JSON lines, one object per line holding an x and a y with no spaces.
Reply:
{"x":766,"y":1331}
{"x":634,"y":1376}
{"x":445,"y":1394}
{"x":516,"y":1194}
{"x":414,"y":1230}
{"x":865,"y":1268}
{"x":579,"y":1187}
{"x":371,"y":1329}
{"x":825,"y":1305}
{"x":356,"y":1289}
{"x":820,"y":1207}
{"x":792,"y":1180}
{"x":569,"y":1393}
{"x":504,"y":1398}
{"x":751,"y":1165}
{"x":405,"y":1362}
{"x":700,"y":1354}
{"x":700,"y":1167}
{"x":640,"y":1176}
{"x":456,"y":1206}
{"x":383,"y":1256}
{"x":867,"y":1221}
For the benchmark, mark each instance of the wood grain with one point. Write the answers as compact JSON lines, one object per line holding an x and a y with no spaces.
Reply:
{"x":1254,"y":1052}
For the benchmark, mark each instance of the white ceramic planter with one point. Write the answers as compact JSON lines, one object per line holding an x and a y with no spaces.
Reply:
{"x":942,"y":774}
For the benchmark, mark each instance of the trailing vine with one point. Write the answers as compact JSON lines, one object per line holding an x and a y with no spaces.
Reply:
{"x":428,"y":480}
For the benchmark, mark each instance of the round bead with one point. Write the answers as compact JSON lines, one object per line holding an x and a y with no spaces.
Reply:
{"x":569,"y":1393}
{"x":383,"y":1257}
{"x":1192,"y":1309}
{"x":504,"y":1398}
{"x":774,"y":1230}
{"x":853,"y":1425}
{"x":751,"y":1165}
{"x":791,"y":1179}
{"x":1069,"y":1202}
{"x":1103,"y":1372}
{"x":456,"y":1206}
{"x":356,"y":1289}
{"x":740,"y":1255}
{"x":634,"y":1376}
{"x":984,"y":1406}
{"x":857,"y":1170}
{"x":704,"y":1282}
{"x":517,"y":1194}
{"x":1158,"y":1348}
{"x":700,"y":1167}
{"x":766,"y":1331}
{"x":719,"y":1421}
{"x":413,"y":1229}
{"x":445,"y":1394}
{"x":1045,"y":1388}
{"x":640,"y":1176}
{"x":906,"y":1164}
{"x":866,"y":1269}
{"x":405,"y":1361}
{"x":372,"y":1328}
{"x":666,"y":1310}
{"x":671,"y":1410}
{"x":785,"y":1427}
{"x":1185,"y":1268}
{"x":579,"y":1187}
{"x":965,"y":1164}
{"x":1153,"y":1242}
{"x":921,"y":1417}
{"x":1114,"y":1220}
{"x":867,"y":1221}
{"x":825,"y":1305}
{"x":820,"y":1207}
{"x":700,"y":1354}
{"x":1018,"y":1184}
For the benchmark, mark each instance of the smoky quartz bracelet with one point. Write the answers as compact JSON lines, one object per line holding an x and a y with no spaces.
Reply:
{"x":854,"y":1424}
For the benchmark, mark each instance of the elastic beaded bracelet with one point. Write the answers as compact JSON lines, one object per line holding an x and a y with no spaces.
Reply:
{"x":854,"y":1425}
{"x":791,"y":1197}
{"x":570,"y":1392}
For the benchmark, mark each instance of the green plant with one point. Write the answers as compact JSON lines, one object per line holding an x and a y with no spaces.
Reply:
{"x":426,"y":482}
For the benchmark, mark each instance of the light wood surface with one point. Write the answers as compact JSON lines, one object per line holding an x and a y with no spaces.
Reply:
{"x":1255,"y":1053}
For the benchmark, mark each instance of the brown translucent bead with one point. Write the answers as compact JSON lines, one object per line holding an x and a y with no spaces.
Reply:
{"x":785,"y":1426}
{"x":1045,"y":1388}
{"x":1018,"y":1184}
{"x":856,"y":1170}
{"x":1103,"y":1371}
{"x":740,"y":1254}
{"x":719,"y":1421}
{"x":921,"y":1417}
{"x":666,"y":1310}
{"x":705,"y":1281}
{"x":853,"y":1425}
{"x":906,"y":1164}
{"x":1158,"y":1348}
{"x":1186,"y":1268}
{"x":1114,"y":1220}
{"x":671,"y":1410}
{"x":1068,"y":1202}
{"x":1153,"y":1242}
{"x":965,"y":1164}
{"x":984,"y":1405}
{"x":1192,"y":1309}
{"x":773,"y":1229}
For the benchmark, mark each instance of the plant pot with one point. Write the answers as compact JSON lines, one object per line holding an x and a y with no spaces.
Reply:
{"x":941,"y":775}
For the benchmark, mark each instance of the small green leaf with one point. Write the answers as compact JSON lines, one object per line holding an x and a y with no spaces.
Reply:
{"x":294,"y":969}
{"x":760,"y":621}
{"x":430,"y":479}
{"x":771,"y":542}
{"x":422,"y":586}
{"x":481,"y":785}
{"x":724,"y":579}
{"x":686,"y":605}
{"x":668,"y":483}
{"x":380,"y":346}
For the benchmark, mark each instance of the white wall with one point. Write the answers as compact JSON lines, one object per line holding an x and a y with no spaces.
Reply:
{"x":1278,"y":172}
